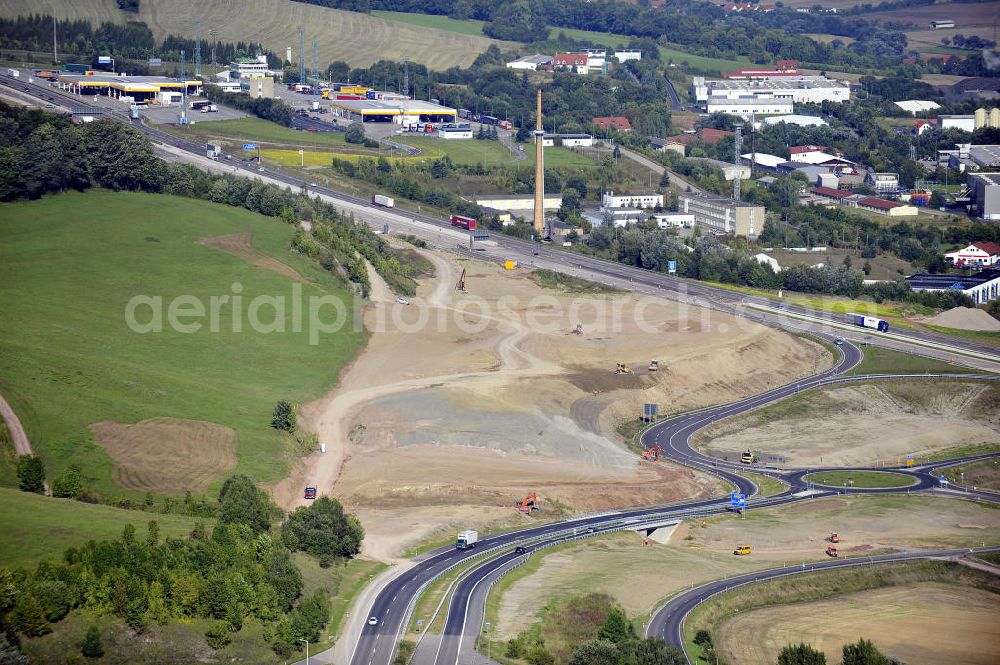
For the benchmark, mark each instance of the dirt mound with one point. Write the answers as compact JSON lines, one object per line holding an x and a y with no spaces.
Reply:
{"x":239,"y":245}
{"x":167,"y":455}
{"x":966,"y":318}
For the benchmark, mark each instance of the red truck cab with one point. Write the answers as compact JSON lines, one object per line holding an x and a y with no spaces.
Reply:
{"x":310,"y":493}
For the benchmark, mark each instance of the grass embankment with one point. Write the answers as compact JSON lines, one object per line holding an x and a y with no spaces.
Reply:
{"x":558,"y":157}
{"x":343,"y":582}
{"x":978,"y":336}
{"x":36,"y":527}
{"x":461,"y":151}
{"x":860,"y":479}
{"x":549,"y":279}
{"x":766,"y":485}
{"x":984,"y":474}
{"x":822,"y":585}
{"x":879,"y":360}
{"x":70,"y":264}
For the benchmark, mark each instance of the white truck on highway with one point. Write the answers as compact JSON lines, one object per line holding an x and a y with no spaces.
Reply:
{"x":384,"y":201}
{"x":13,"y":72}
{"x":467,"y":539}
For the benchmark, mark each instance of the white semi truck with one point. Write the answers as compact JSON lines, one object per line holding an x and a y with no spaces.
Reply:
{"x":467,"y":539}
{"x":384,"y":201}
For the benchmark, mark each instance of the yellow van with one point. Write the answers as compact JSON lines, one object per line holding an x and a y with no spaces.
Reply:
{"x":748,"y":457}
{"x":743,"y":549}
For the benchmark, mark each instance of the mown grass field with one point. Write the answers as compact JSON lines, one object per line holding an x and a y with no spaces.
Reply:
{"x":357,"y":39}
{"x":461,"y":151}
{"x":37,"y":527}
{"x":310,"y":158}
{"x":879,"y":360}
{"x":255,"y":130}
{"x":69,"y":264}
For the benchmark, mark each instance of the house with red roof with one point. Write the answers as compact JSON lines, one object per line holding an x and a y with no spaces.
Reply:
{"x":888,"y":208}
{"x":619,"y":122}
{"x":713,"y":136}
{"x":977,"y":255}
{"x":575,"y":62}
{"x":924,"y":126}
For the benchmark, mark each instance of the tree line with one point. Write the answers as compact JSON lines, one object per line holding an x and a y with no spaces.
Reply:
{"x":42,"y":153}
{"x":236,"y":573}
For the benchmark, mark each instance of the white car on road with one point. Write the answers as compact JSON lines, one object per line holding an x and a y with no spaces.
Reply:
{"x":402,"y":301}
{"x":372,"y":621}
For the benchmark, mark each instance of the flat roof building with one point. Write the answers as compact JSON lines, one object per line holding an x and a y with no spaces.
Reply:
{"x":515,"y":202}
{"x":386,"y":110}
{"x":984,"y":192}
{"x":530,"y":62}
{"x":800,"y":120}
{"x":568,"y":140}
{"x":139,"y":88}
{"x":748,"y":106}
{"x":801,"y":90}
{"x":982,"y":287}
{"x":612,"y":200}
{"x":985,"y":156}
{"x":722,"y":214}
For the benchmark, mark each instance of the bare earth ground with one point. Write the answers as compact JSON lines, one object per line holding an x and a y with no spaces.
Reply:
{"x":921,"y":624}
{"x":463,"y":403}
{"x":167,"y":455}
{"x":240,"y":246}
{"x":639,"y":577}
{"x":865,"y":424}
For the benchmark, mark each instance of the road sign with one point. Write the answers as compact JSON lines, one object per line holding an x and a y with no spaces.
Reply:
{"x":671,"y":267}
{"x":737,"y":500}
{"x":480,"y":234}
{"x":942,"y":480}
{"x":910,"y":461}
{"x":155,"y":62}
{"x":249,"y":146}
{"x":650,"y":411}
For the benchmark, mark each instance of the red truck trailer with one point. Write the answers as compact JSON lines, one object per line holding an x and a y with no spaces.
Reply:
{"x":466,"y":223}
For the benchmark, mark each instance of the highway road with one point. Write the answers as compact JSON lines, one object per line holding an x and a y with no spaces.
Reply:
{"x":668,"y":620}
{"x":376,"y":643}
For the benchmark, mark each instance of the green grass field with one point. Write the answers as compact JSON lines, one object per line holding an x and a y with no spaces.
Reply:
{"x":312,"y":158}
{"x":461,"y":151}
{"x":356,"y":38}
{"x":879,"y":360}
{"x":69,"y":264}
{"x":470,"y":26}
{"x":862,"y":479}
{"x":558,"y":157}
{"x":37,"y":527}
{"x":256,"y":130}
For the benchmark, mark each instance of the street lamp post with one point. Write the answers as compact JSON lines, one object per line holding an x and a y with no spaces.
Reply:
{"x":302,"y":639}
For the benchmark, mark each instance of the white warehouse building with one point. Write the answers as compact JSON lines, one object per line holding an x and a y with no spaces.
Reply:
{"x":612,"y":200}
{"x":749,"y":106}
{"x":801,"y":90}
{"x":568,"y":140}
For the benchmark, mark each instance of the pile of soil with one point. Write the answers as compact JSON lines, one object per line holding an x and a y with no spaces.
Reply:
{"x":966,"y":318}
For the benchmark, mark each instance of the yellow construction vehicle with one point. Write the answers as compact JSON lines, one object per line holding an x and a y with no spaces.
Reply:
{"x":461,"y":282}
{"x":654,"y":365}
{"x":748,"y":457}
{"x":742,"y":550}
{"x":622,"y":368}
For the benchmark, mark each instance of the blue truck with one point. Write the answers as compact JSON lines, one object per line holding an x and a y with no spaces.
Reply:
{"x":868,"y":322}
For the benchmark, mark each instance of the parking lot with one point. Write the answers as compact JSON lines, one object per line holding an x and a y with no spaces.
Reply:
{"x":163,"y":115}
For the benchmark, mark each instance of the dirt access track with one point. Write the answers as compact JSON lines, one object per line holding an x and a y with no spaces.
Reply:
{"x":464,"y":403}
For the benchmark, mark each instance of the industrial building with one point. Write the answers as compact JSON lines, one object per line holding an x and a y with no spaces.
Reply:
{"x":800,"y":90}
{"x":531,"y":62}
{"x":884,"y":183}
{"x":392,"y":110}
{"x":612,"y":200}
{"x":982,"y":287}
{"x":452,"y":131}
{"x":887,"y":208}
{"x":721,"y":214}
{"x":674,"y":220}
{"x":800,"y":120}
{"x":515,"y":202}
{"x":248,"y":68}
{"x":749,"y":106}
{"x":965,"y":123}
{"x":259,"y":87}
{"x":984,"y":193}
{"x":915,"y":106}
{"x":129,"y":88}
{"x":568,"y":140}
{"x":985,"y":156}
{"x":625,"y":55}
{"x":977,"y":255}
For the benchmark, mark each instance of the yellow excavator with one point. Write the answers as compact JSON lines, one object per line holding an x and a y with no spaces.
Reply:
{"x":461,"y":282}
{"x":622,"y":368}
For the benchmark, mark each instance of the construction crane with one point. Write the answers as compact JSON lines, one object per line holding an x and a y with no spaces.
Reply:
{"x":528,"y":504}
{"x":461,"y":282}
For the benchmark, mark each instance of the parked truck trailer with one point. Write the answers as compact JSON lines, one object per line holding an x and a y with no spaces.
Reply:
{"x":466,"y":223}
{"x":384,"y":201}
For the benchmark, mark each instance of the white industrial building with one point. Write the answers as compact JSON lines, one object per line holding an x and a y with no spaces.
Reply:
{"x":612,"y":200}
{"x":801,"y":90}
{"x":749,"y":106}
{"x":516,"y":202}
{"x":248,"y":68}
{"x":982,"y":287}
{"x":674,"y":220}
{"x":530,"y":62}
{"x":568,"y":140}
{"x":965,"y":123}
{"x":451,"y":131}
{"x":984,"y":192}
{"x":915,"y":106}
{"x":800,"y":120}
{"x":628,"y":54}
{"x":722,"y":214}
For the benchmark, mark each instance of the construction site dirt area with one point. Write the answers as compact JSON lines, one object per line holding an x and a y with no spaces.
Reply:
{"x":920,"y":624}
{"x":168,"y":455}
{"x":640,"y":576}
{"x":863,"y":424}
{"x":478,"y":397}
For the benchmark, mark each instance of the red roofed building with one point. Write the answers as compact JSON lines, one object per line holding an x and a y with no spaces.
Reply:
{"x":924,"y":125}
{"x":831,"y":193}
{"x":619,"y":122}
{"x":762,"y":74}
{"x":713,"y":136}
{"x":976,"y":255}
{"x":787,"y":65}
{"x":890,"y":208}
{"x":798,"y":152}
{"x":576,"y":62}
{"x":683,"y":138}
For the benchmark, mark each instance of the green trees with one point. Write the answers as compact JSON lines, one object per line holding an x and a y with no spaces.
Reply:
{"x":616,"y":628}
{"x":863,"y":652}
{"x":69,"y":484}
{"x":92,"y":646}
{"x":283,"y":417}
{"x":801,"y":654}
{"x":121,"y":157}
{"x":323,"y":530}
{"x":31,"y":474}
{"x":355,"y":133}
{"x":242,"y":502}
{"x":517,"y":21}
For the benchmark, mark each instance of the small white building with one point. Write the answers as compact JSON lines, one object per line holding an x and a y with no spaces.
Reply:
{"x":170,"y":98}
{"x":976,"y":255}
{"x":965,"y":123}
{"x":248,"y":68}
{"x":628,"y":54}
{"x":612,"y":200}
{"x":800,"y":120}
{"x":674,"y":220}
{"x":530,"y":62}
{"x":455,"y":132}
{"x":884,"y":183}
{"x":915,"y":106}
{"x":568,"y":140}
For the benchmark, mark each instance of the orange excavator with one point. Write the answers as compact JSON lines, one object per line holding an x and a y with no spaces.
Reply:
{"x":460,"y":285}
{"x":652,"y":454}
{"x":528,"y":504}
{"x":831,"y":550}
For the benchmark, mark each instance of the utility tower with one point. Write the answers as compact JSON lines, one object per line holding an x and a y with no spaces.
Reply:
{"x":406,"y":76}
{"x":213,"y":33}
{"x":736,"y":160}
{"x":197,"y":47}
{"x":183,"y":72}
{"x":302,"y":54}
{"x":315,"y":72}
{"x":55,"y":50}
{"x":539,"y":170}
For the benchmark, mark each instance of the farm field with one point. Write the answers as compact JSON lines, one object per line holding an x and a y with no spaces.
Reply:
{"x":863,"y":424}
{"x":37,"y":527}
{"x":355,"y":38}
{"x":921,"y":624}
{"x":641,"y":577}
{"x":76,"y":374}
{"x":313,"y":159}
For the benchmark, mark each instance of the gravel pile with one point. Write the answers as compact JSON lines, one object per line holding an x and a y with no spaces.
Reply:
{"x":966,"y":318}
